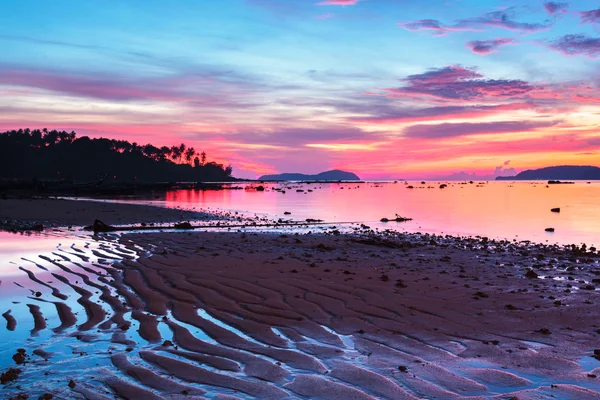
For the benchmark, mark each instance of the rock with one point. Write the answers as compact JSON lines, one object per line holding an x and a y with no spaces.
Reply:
{"x":287,"y":213}
{"x":167,"y":343}
{"x":384,"y":220}
{"x":443,"y":185}
{"x":260,"y":188}
{"x":544,"y":331}
{"x":531,"y":274}
{"x":19,"y":356}
{"x":555,"y":210}
{"x":11,"y":375}
{"x":549,"y":229}
{"x":183,"y":225}
{"x":403,"y":368}
{"x":510,"y":307}
{"x":72,"y":384}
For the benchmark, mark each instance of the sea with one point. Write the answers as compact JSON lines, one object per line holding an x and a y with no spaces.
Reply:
{"x":496,"y":209}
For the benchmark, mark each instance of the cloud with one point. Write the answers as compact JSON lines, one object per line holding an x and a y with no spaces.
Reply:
{"x":450,"y":130}
{"x":591,"y":17}
{"x":485,"y":47}
{"x":206,"y":87}
{"x":577,"y":45}
{"x":554,"y":8}
{"x":338,"y":2}
{"x":503,"y":19}
{"x":440,"y":113}
{"x":431,"y":25}
{"x":460,"y":83}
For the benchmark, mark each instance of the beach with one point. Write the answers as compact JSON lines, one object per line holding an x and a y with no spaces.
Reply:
{"x":24,"y":213}
{"x":322,"y":315}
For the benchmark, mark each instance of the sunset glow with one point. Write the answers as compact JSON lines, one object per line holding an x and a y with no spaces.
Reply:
{"x":382,"y":88}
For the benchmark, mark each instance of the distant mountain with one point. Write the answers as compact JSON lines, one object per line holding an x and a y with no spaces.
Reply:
{"x":335,"y":175}
{"x":564,"y":172}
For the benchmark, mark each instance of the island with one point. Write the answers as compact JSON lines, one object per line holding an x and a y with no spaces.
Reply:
{"x":333,"y":175}
{"x":562,"y":172}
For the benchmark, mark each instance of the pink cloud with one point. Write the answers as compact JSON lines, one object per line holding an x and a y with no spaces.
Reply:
{"x":338,"y":2}
{"x":449,"y":130}
{"x":485,"y":47}
{"x":459,"y":83}
{"x":577,"y":45}
{"x":441,"y":113}
{"x":591,"y":17}
{"x":503,"y":19}
{"x":554,"y":8}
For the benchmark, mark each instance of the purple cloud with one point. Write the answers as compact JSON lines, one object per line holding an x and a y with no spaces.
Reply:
{"x":457,"y":82}
{"x":430,"y":25}
{"x":441,"y":112}
{"x":577,"y":45}
{"x":591,"y":17}
{"x":554,"y":8}
{"x":450,"y":130}
{"x":485,"y":47}
{"x":503,"y":19}
{"x":338,"y":2}
{"x":203,"y":87}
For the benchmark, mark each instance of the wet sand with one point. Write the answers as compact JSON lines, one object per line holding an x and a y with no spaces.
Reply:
{"x":64,"y":212}
{"x":326,"y":316}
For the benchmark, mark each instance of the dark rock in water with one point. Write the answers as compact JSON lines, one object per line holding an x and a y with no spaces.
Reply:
{"x":19,"y":356}
{"x":422,"y":182}
{"x":510,"y":307}
{"x":443,"y":185}
{"x":99,"y":226}
{"x":11,"y":375}
{"x":544,"y":331}
{"x":531,"y":274}
{"x":410,"y":187}
{"x":287,"y":213}
{"x":560,"y":183}
{"x":549,"y":229}
{"x":183,"y":225}
{"x":384,"y":220}
{"x":72,"y":384}
{"x":403,"y":368}
{"x":556,"y":210}
{"x":260,"y":188}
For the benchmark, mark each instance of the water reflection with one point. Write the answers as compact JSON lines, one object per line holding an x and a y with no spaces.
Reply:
{"x":512,"y":210}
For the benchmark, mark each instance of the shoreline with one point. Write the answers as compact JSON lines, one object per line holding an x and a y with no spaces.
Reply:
{"x":39,"y":213}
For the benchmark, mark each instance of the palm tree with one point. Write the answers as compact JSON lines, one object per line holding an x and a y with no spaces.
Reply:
{"x":189,"y":154}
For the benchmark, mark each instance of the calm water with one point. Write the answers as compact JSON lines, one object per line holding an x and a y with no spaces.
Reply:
{"x":519,"y":210}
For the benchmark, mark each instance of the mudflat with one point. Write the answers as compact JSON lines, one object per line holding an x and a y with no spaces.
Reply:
{"x":66,"y":212}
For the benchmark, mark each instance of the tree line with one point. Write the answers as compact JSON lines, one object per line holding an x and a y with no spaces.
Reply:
{"x":61,"y":155}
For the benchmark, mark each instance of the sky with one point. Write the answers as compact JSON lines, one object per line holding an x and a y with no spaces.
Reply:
{"x":393,"y":89}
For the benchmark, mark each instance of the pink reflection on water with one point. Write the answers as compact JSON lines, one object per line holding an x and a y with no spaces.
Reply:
{"x":509,"y":210}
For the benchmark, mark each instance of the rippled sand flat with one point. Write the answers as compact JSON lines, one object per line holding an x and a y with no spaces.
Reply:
{"x":243,"y":315}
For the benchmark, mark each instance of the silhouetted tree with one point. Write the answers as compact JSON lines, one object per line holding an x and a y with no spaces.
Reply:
{"x":25,"y":154}
{"x":189,"y":154}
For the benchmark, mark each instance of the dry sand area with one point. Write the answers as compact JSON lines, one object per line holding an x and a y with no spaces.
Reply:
{"x":245,"y":315}
{"x":66,"y":212}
